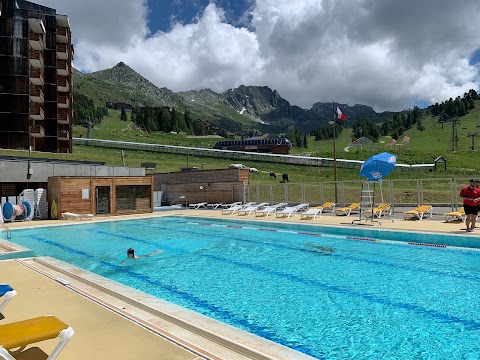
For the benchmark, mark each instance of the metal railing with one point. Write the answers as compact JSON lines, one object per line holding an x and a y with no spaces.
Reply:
{"x":8,"y":231}
{"x":237,"y":156}
{"x":441,"y":192}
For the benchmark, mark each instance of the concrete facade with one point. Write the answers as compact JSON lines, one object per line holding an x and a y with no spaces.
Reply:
{"x":15,"y":172}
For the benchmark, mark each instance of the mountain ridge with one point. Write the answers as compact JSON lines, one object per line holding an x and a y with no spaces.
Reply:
{"x":238,"y":109}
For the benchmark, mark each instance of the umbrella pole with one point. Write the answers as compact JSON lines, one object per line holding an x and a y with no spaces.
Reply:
{"x":373,"y":199}
{"x":381,"y":190}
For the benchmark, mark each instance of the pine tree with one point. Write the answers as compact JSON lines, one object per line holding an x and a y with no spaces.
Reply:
{"x":123,"y":114}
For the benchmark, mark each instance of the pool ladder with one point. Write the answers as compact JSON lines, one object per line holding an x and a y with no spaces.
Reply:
{"x":9,"y":232}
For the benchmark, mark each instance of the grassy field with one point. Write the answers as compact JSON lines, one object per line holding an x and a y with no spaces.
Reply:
{"x":425,"y":147}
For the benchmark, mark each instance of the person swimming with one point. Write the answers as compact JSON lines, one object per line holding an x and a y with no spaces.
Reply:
{"x":131,"y":254}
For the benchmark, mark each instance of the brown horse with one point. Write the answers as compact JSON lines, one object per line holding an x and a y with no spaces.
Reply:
{"x":272,"y":174}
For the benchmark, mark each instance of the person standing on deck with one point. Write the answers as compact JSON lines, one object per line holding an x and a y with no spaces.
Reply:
{"x":471,"y":197}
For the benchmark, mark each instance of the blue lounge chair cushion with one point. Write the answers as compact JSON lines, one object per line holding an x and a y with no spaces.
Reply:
{"x":4,"y":289}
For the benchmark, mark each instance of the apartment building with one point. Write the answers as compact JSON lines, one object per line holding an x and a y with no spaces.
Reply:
{"x":35,"y":78}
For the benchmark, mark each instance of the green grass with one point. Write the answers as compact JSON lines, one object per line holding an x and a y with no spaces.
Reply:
{"x":426,"y":146}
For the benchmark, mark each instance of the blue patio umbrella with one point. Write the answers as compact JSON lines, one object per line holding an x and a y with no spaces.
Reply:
{"x":378,"y":166}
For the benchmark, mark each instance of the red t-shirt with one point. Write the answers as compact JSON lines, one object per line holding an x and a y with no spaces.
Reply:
{"x":470,"y":192}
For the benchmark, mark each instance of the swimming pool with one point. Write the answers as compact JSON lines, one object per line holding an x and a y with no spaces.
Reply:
{"x":330,"y":296}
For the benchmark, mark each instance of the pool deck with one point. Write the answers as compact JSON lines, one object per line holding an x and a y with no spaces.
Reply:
{"x":112,"y":321}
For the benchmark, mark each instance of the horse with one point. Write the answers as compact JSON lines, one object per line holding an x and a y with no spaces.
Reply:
{"x":285,"y":177}
{"x":272,"y":174}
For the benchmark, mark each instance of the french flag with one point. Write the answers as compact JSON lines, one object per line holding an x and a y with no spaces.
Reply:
{"x":340,"y":114}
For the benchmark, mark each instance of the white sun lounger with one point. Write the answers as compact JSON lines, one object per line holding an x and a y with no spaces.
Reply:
{"x":267,"y":210}
{"x":214,"y":205}
{"x":290,"y":210}
{"x":197,"y":205}
{"x":311,"y":213}
{"x":226,"y":206}
{"x":249,"y":209}
{"x":234,"y":208}
{"x":75,"y":216}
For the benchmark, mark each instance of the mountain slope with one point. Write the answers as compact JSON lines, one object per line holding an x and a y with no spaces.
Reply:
{"x":237,"y":110}
{"x":123,"y":84}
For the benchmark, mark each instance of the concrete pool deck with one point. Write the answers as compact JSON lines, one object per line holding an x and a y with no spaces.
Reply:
{"x":110,"y":326}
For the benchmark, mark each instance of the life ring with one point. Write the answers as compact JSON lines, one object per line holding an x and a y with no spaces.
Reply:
{"x":54,"y":209}
{"x":28,"y":209}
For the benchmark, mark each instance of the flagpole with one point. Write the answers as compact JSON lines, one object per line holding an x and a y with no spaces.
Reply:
{"x":334,"y":153}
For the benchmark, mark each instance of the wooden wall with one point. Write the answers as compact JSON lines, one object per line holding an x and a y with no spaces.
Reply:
{"x":66,"y":191}
{"x":212,"y":186}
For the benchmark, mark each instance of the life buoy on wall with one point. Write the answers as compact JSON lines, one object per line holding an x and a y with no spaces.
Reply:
{"x":54,"y":209}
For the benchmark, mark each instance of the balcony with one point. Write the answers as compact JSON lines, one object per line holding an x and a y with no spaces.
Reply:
{"x":37,"y":131}
{"x":63,"y":118}
{"x":63,"y":35}
{"x":36,"y":95}
{"x":36,"y":112}
{"x":62,"y":68}
{"x":62,"y":20}
{"x":36,"y":41}
{"x":36,"y":76}
{"x":62,"y":52}
{"x":36,"y":59}
{"x":63,"y":102}
{"x":62,"y":84}
{"x":36,"y":21}
{"x":63,"y":135}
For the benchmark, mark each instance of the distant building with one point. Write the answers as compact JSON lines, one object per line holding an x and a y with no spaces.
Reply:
{"x":118,"y":106}
{"x":35,"y":78}
{"x":210,"y":128}
{"x":362,"y":142}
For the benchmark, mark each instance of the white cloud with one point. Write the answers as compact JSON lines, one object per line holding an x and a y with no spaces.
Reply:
{"x":387,"y":54}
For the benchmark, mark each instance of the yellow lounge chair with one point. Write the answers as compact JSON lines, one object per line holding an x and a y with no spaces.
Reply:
{"x":455,"y":215}
{"x":347,"y":210}
{"x":22,"y":333}
{"x":378,"y":211}
{"x":419,"y":212}
{"x":327,"y":206}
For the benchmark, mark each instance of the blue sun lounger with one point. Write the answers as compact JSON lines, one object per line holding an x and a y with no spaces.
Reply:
{"x":7,"y":293}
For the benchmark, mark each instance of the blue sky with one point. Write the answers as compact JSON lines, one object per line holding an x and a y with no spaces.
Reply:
{"x":162,"y":13}
{"x":388,"y":54}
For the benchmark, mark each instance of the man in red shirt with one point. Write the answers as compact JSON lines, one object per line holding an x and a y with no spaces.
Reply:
{"x":471,"y":198}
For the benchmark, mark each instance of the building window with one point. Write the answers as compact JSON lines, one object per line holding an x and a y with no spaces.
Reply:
{"x":133,"y":197}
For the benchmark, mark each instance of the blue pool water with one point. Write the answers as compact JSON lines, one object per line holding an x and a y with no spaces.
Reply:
{"x":330,"y":296}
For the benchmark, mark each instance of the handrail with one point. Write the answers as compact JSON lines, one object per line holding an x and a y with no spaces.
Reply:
{"x":9,"y":232}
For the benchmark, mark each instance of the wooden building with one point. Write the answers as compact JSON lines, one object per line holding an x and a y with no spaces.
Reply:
{"x":212,"y":186}
{"x":107,"y":195}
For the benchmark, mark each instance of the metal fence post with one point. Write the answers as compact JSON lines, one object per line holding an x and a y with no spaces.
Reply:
{"x":322,"y":195}
{"x":452,"y":190}
{"x":420,"y":191}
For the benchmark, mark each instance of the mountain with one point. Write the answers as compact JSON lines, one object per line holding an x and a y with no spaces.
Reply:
{"x":122,"y":84}
{"x":237,"y":110}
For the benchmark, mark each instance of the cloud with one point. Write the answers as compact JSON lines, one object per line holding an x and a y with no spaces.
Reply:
{"x":389,"y":54}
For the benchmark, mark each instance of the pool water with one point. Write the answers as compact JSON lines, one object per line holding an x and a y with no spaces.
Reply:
{"x":329,"y":296}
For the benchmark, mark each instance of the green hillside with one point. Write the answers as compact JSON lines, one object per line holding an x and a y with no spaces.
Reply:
{"x":425,"y":147}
